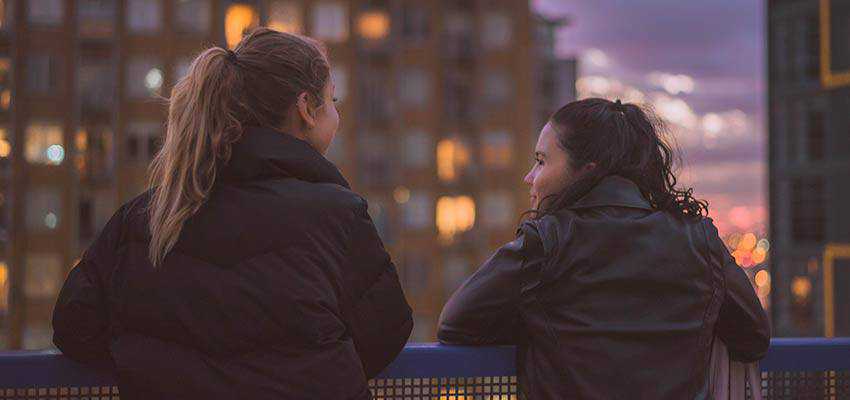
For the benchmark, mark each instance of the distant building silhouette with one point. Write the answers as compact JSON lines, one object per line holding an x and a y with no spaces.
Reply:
{"x":809,"y":136}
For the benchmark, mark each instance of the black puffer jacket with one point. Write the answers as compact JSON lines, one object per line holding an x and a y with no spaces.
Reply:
{"x":278,"y":288}
{"x":611,"y":299}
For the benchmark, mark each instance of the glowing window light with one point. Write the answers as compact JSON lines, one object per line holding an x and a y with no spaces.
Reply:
{"x":454,"y":215}
{"x":238,"y":19}
{"x":801,"y":286}
{"x":43,"y":144}
{"x":373,"y":25}
{"x":4,"y":288}
{"x":5,"y":148}
{"x":452,"y":156}
{"x":5,"y":99}
{"x":285,"y":16}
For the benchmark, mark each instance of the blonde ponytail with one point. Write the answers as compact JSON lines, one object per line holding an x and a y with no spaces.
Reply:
{"x":254,"y":85}
{"x":183,"y":172}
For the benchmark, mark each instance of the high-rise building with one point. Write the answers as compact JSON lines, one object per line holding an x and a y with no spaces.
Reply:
{"x":809,"y":140}
{"x":439,"y":106}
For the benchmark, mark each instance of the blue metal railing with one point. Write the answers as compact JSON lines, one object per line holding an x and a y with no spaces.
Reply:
{"x":28,"y":369}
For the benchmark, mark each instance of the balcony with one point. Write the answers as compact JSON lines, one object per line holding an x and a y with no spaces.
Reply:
{"x":793,"y":369}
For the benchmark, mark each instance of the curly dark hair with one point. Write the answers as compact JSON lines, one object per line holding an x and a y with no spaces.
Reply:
{"x":625,"y":140}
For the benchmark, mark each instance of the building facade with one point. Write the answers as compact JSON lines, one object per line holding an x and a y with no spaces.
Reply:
{"x":809,"y":165}
{"x":440,"y":107}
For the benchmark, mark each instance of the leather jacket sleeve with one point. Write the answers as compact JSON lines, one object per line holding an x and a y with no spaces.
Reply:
{"x":742,"y":323}
{"x":485,"y":309}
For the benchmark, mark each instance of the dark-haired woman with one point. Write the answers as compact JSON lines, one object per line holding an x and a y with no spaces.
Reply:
{"x":249,"y":270}
{"x":618,"y":283}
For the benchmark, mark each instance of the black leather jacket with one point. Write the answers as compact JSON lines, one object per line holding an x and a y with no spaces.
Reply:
{"x":611,"y":299}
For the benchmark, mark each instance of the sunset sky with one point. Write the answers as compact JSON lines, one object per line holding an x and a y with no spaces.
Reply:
{"x":700,"y":64}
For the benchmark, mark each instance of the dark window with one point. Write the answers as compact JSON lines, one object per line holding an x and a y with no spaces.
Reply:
{"x":86,"y":219}
{"x":807,"y":210}
{"x":815,"y":135}
{"x":153,"y":146}
{"x":813,"y":48}
{"x":133,"y":147}
{"x":414,"y":23}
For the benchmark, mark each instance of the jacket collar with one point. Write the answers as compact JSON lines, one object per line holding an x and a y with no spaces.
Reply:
{"x":613,"y":190}
{"x":264,"y":153}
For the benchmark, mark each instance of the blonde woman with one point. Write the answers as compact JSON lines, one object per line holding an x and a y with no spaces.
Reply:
{"x":249,"y":269}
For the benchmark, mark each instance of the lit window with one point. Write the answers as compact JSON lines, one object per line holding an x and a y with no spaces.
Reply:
{"x":418,"y":149}
{"x":340,"y":79}
{"x":43,"y":209}
{"x":96,"y":84}
{"x":193,"y":16}
{"x":285,"y":16}
{"x":497,"y":210}
{"x":96,"y":17}
{"x":496,"y":33}
{"x":4,"y":287}
{"x":5,"y":148}
{"x":452,"y":158}
{"x":45,"y":12}
{"x":454,"y":215}
{"x":43,"y":275}
{"x":239,"y":20}
{"x":497,"y":87}
{"x":373,"y":24}
{"x":455,"y":271}
{"x":414,"y":87}
{"x":330,"y":21}
{"x":144,"y":77}
{"x":44,"y":144}
{"x":496,"y":150}
{"x":418,"y":211}
{"x":144,"y":16}
{"x":42,"y":74}
{"x":5,"y":84}
{"x":142,"y":140}
{"x":94,"y":155}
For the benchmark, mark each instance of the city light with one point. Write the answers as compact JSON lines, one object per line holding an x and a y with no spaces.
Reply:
{"x":239,"y":19}
{"x":454,"y":215}
{"x":5,"y":148}
{"x":374,"y":24}
{"x":401,"y":195}
{"x":51,"y":220}
{"x":801,"y":286}
{"x":285,"y":17}
{"x":597,"y":58}
{"x":55,"y":154}
{"x":153,"y":80}
{"x":452,"y":156}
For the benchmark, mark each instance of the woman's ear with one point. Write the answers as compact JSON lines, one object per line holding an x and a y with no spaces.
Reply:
{"x":304,"y":111}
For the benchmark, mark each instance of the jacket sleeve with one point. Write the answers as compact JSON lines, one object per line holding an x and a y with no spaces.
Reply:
{"x":379,"y":319}
{"x":485,"y":309}
{"x":81,"y":313}
{"x":742,"y":323}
